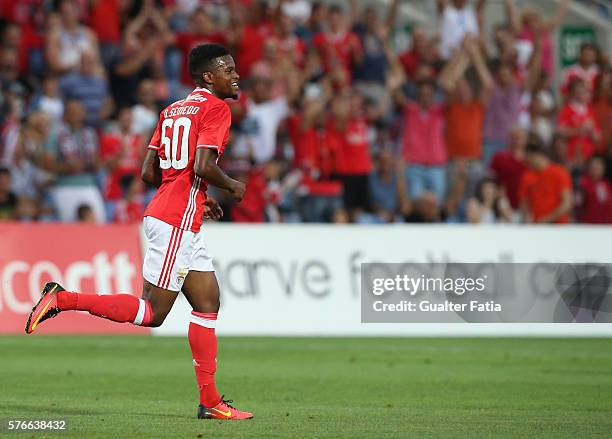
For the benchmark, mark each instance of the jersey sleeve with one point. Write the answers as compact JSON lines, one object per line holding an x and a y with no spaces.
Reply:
{"x":214,"y":126}
{"x":155,"y":140}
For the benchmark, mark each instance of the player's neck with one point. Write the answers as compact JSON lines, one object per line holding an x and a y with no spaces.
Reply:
{"x":206,"y":90}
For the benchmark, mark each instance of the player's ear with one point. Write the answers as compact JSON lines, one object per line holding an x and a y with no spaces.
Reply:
{"x":207,"y":77}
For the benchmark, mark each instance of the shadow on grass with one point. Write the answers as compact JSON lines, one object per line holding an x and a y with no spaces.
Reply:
{"x":50,"y":410}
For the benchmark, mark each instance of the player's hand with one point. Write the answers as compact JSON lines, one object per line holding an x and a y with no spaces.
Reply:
{"x":237,"y":190}
{"x":212,"y":210}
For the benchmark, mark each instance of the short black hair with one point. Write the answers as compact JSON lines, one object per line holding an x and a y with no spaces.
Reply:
{"x":201,"y":58}
{"x":83,"y":210}
{"x":536,"y":148}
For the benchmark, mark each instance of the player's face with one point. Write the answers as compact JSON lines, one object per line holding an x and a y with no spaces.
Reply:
{"x":225,"y":78}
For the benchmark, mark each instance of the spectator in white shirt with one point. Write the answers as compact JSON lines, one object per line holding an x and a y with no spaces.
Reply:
{"x":457,"y":19}
{"x":146,"y":112}
{"x":257,"y":135}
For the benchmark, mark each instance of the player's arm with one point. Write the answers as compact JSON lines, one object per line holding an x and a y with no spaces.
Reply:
{"x":207,"y":169}
{"x":151,"y":172}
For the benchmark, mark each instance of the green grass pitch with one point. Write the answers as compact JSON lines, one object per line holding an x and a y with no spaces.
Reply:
{"x":144,"y":387}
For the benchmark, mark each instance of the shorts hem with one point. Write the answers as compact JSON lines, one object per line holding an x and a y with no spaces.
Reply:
{"x":155,"y":283}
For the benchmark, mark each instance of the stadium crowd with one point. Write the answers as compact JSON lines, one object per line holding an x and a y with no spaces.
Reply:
{"x":333,"y":124}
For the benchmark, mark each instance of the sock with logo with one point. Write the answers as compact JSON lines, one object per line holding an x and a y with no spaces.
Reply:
{"x":203,"y":343}
{"x":119,"y":308}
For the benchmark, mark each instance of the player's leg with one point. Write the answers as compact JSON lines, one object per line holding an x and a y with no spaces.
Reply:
{"x":165,"y":262}
{"x":202,"y":292}
{"x":149,"y":310}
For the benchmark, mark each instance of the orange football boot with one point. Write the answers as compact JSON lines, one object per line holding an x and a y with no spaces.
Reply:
{"x":45,"y":308}
{"x":223,"y":410}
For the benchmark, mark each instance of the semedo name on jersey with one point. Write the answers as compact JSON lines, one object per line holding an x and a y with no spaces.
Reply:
{"x":179,"y":111}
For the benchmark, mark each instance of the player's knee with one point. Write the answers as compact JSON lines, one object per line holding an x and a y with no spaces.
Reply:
{"x":158,"y":318}
{"x":208,"y":305}
{"x":215,"y":304}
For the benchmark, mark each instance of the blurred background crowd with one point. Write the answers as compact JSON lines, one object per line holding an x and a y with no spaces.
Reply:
{"x":336,"y":122}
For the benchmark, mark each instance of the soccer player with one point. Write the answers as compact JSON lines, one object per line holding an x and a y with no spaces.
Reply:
{"x":181,"y":161}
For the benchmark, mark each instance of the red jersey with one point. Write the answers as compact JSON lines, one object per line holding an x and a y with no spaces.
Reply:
{"x":576,"y":71}
{"x":316,"y":153}
{"x":201,"y":120}
{"x":543,"y":189}
{"x":105,"y":20}
{"x":508,"y":171}
{"x":129,"y":151}
{"x":574,"y":116}
{"x":354,"y":154}
{"x":250,"y":48}
{"x":596,"y":201}
{"x":338,"y":48}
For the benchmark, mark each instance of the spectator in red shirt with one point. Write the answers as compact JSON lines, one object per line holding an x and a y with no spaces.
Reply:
{"x":423,"y":143}
{"x":131,"y":207}
{"x":420,"y":51}
{"x":122,"y":153}
{"x":288,"y":43}
{"x":545,"y":190}
{"x":464,"y":108}
{"x":202,"y":30}
{"x":595,"y":194}
{"x":602,"y":106}
{"x":316,"y":149}
{"x":252,"y":208}
{"x":249,"y":28}
{"x":105,"y":21}
{"x":508,"y":165}
{"x":265,"y":197}
{"x":354,"y":162}
{"x":339,"y":46}
{"x":529,"y":26}
{"x":578,"y":124}
{"x":25,"y":41}
{"x":586,"y":68}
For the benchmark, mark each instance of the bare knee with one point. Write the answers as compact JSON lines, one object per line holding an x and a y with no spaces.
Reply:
{"x":158,"y":317}
{"x":161,"y":302}
{"x":207,"y":305}
{"x":202,"y":291}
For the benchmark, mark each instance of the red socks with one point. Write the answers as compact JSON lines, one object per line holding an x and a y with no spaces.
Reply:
{"x":203,"y":342}
{"x":117,"y":307}
{"x":127,"y":308}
